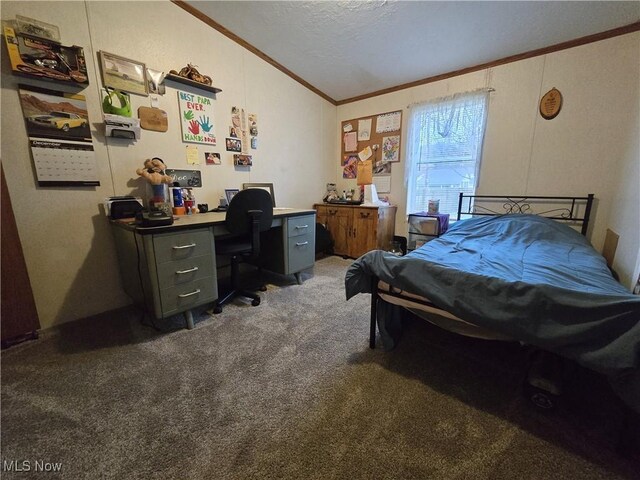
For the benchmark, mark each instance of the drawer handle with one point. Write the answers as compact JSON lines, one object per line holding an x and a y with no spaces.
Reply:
{"x":195,"y":292}
{"x":299,"y":244}
{"x":184,"y":246}
{"x":180,"y":272}
{"x":302,"y":226}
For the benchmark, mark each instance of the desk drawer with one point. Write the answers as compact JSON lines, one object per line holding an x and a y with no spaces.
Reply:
{"x":179,"y":246}
{"x":183,"y":297}
{"x":297,"y":226}
{"x":180,"y":272}
{"x":301,"y":252}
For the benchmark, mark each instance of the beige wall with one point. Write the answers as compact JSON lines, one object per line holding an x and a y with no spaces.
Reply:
{"x":591,"y":147}
{"x":66,"y":238}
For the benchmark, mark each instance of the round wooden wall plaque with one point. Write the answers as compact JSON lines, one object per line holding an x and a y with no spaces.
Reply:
{"x":551,"y":104}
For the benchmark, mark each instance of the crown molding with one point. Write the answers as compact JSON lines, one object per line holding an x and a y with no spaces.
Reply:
{"x":240,"y":41}
{"x":596,"y":37}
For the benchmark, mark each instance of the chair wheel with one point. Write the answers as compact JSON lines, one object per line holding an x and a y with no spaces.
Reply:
{"x":542,"y":399}
{"x":255,"y":302}
{"x":217,"y":309}
{"x":263,"y":288}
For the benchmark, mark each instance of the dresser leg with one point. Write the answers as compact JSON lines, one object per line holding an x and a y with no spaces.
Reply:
{"x":298,"y":278}
{"x":188,"y":315}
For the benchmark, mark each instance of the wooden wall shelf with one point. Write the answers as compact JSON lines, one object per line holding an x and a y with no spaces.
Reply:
{"x":186,"y":81}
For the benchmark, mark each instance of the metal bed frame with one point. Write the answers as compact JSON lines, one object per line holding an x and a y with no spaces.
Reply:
{"x":572,"y":210}
{"x":575,"y":210}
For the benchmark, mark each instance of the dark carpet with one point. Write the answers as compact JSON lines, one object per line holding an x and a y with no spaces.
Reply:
{"x":291,"y":390}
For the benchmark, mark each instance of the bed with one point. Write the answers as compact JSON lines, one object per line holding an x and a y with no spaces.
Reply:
{"x":516,"y":269}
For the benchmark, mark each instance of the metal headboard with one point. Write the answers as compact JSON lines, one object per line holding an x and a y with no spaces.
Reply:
{"x":568,"y":209}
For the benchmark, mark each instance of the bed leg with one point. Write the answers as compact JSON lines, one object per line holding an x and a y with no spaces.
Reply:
{"x":374,"y":304}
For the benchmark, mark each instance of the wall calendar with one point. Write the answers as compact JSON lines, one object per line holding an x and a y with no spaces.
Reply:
{"x":59,"y":137}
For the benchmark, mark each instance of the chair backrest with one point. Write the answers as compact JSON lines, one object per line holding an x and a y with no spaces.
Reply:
{"x":239,"y":220}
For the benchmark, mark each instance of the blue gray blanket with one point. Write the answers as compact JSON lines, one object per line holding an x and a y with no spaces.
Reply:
{"x":531,"y":278}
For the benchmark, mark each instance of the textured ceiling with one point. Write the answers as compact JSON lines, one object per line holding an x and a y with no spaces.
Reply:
{"x":351,"y":48}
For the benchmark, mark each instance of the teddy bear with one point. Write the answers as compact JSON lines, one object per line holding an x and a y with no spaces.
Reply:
{"x":153,"y":172}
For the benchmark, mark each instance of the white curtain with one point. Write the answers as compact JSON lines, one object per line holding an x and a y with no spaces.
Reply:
{"x":434,"y":120}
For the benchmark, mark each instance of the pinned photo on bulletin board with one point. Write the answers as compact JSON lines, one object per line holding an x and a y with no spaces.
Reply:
{"x":346,"y":159}
{"x":350,"y":167}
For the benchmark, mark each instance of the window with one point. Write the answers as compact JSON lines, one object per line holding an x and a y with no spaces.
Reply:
{"x":444,"y":150}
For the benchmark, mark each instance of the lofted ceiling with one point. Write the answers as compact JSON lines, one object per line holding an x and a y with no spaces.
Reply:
{"x":346,"y":49}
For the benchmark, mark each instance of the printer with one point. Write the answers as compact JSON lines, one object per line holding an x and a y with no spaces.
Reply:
{"x":122,"y":207}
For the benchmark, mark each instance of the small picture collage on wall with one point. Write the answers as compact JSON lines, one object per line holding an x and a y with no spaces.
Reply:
{"x":243,"y":135}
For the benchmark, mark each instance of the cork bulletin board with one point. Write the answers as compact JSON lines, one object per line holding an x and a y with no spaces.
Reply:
{"x":363,"y":134}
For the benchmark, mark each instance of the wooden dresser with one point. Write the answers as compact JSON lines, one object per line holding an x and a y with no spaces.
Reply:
{"x":357,"y":229}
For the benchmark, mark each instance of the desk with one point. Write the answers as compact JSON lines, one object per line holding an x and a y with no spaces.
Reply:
{"x":172,"y":269}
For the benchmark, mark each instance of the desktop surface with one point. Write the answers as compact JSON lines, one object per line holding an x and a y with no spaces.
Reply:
{"x":203,"y":219}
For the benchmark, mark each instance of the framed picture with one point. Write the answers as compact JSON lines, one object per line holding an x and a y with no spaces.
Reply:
{"x":230,"y":193}
{"x":264,"y":186}
{"x":123,"y":74}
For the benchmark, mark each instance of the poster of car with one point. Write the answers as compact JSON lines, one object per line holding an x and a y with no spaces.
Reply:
{"x":54,"y":114}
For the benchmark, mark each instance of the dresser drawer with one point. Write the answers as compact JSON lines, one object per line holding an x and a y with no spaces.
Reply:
{"x":301,"y":252}
{"x":180,"y":272}
{"x":297,"y":226}
{"x":179,"y":246}
{"x":183,"y":297}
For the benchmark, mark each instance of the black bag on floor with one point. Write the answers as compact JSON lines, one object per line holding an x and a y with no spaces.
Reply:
{"x":324,"y":242}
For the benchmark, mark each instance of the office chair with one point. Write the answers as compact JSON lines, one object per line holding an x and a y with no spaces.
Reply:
{"x":249,"y":213}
